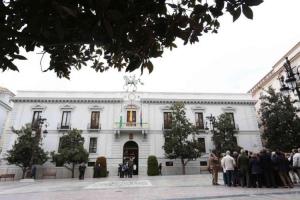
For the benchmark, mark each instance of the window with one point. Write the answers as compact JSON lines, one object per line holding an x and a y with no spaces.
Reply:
{"x":93,"y":145}
{"x":131,"y":118}
{"x":203,"y":163}
{"x":199,"y":120}
{"x":36,"y":116}
{"x":95,"y":116}
{"x":65,"y":121}
{"x":169,"y":163}
{"x":231,"y":116}
{"x":167,"y":120}
{"x":202,"y":143}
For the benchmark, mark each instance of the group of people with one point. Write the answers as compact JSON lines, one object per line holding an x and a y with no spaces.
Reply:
{"x":247,"y":169}
{"x":126,"y":169}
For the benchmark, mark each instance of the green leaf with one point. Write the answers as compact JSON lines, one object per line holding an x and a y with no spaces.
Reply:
{"x":172,"y":5}
{"x":149,"y":66}
{"x":247,"y":11}
{"x":253,"y":2}
{"x":18,"y":57}
{"x":236,"y":14}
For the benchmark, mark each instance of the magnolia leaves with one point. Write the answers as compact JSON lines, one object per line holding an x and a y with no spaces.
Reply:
{"x":103,"y":34}
{"x":236,"y":7}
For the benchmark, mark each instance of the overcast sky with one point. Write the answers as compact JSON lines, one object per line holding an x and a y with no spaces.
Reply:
{"x":231,"y":61}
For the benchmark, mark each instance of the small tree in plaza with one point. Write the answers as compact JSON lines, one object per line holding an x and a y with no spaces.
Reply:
{"x":279,"y":121}
{"x":180,"y":140}
{"x":152,"y":166}
{"x":224,"y":132}
{"x":27,"y":150}
{"x":71,"y":150}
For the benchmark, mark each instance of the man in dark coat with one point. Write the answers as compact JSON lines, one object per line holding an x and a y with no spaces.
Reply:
{"x":243,"y":167}
{"x":82,"y":168}
{"x":267,"y":168}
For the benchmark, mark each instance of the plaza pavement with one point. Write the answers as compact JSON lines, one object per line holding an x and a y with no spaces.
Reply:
{"x":190,"y":187}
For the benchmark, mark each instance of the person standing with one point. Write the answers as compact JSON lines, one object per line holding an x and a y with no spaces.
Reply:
{"x":228,"y":165}
{"x":296,"y":162}
{"x":235,"y":177}
{"x":33,"y":172}
{"x":159,"y":168}
{"x":256,"y":171}
{"x":243,"y":167}
{"x":267,"y":168}
{"x":130,"y":167}
{"x":82,"y":168}
{"x":213,"y":167}
{"x":283,"y":169}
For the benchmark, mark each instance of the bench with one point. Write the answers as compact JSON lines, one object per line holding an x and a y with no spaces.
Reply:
{"x":49,"y":173}
{"x":5,"y":176}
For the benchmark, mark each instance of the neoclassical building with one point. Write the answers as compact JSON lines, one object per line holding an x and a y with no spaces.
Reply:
{"x":271,"y":79}
{"x":5,"y":109}
{"x":120,"y":124}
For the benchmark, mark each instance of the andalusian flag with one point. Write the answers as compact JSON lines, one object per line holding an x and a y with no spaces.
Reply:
{"x":121,"y":120}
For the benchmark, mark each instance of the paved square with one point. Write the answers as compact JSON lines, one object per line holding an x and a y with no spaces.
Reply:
{"x":119,"y":184}
{"x":189,"y":187}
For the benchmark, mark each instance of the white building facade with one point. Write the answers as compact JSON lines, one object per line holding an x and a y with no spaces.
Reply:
{"x":271,"y":79}
{"x":5,"y":109}
{"x":118,"y":124}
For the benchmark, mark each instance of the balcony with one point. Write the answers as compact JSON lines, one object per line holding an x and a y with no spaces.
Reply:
{"x":200,"y":127}
{"x":131,"y":127}
{"x":63,"y":127}
{"x":93,"y":127}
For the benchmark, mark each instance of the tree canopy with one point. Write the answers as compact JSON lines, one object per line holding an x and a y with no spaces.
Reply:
{"x":279,"y":121}
{"x":181,"y":141}
{"x":27,"y":150}
{"x":224,"y":134}
{"x":70,"y":151}
{"x":107,"y":33}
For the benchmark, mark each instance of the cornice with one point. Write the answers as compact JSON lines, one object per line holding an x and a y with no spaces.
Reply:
{"x":64,"y":100}
{"x":199,"y":101}
{"x":6,"y":106}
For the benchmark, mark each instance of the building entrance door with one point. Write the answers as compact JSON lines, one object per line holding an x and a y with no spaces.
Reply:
{"x":131,"y":150}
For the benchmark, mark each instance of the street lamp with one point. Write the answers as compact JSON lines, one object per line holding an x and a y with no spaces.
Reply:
{"x":291,"y":82}
{"x":36,"y":135}
{"x":37,"y":127}
{"x":212,"y":120}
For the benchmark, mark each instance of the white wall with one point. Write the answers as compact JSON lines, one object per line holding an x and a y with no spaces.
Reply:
{"x":111,"y":146}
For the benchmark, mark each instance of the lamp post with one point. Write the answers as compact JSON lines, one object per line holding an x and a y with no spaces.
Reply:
{"x":36,"y":135}
{"x":291,"y":81}
{"x":212,"y":120}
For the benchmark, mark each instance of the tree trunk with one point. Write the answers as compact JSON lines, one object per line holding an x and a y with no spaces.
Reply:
{"x":73,"y":169}
{"x":183,"y":166}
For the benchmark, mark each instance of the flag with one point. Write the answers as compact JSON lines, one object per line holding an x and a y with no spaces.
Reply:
{"x":121,"y":121}
{"x":141,"y":118}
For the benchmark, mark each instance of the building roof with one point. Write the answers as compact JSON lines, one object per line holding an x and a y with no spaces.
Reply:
{"x":117,"y":97}
{"x":6,"y":91}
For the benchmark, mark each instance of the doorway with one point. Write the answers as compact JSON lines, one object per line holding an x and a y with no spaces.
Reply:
{"x":131,"y":150}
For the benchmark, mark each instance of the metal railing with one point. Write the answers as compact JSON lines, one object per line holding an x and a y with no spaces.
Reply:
{"x":94,"y":127}
{"x":131,"y":125}
{"x":61,"y":127}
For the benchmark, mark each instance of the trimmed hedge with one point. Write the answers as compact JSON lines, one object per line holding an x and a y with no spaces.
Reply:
{"x":102,"y":170}
{"x":152,"y":169}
